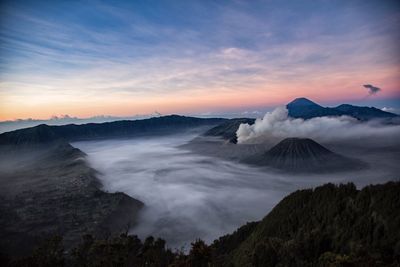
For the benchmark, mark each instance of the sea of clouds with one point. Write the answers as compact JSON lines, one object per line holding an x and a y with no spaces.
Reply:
{"x":189,"y":196}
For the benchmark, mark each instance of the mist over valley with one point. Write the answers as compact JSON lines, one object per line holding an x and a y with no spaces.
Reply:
{"x":196,"y":186}
{"x":179,"y":133}
{"x":188,"y":181}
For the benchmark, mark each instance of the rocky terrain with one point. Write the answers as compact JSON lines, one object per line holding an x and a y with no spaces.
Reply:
{"x":227,"y":130}
{"x":304,"y":155}
{"x":50,"y":189}
{"x":47,"y":187}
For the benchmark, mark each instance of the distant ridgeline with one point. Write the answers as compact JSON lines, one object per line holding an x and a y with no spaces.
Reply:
{"x":326,"y":226}
{"x":71,"y":132}
{"x":227,"y":130}
{"x":299,"y":108}
{"x":305,"y":109}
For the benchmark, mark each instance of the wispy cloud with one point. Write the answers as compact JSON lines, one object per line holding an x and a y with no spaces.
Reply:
{"x":105,"y":52}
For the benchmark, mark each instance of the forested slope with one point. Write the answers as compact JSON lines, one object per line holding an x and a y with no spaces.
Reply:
{"x":327,"y":226}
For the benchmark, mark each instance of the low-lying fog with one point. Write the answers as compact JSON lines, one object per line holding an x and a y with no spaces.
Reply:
{"x":188,"y":195}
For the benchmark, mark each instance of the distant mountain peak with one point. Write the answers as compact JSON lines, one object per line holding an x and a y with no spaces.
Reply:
{"x":302,"y":101}
{"x":307,"y":109}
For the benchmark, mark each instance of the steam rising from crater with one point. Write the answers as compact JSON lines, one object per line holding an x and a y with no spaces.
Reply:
{"x":277,"y":125}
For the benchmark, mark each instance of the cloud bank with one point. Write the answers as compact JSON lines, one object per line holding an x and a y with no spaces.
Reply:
{"x":390,"y":109}
{"x":186,"y":196}
{"x":260,"y":54}
{"x":189,"y":196}
{"x":277,"y":125}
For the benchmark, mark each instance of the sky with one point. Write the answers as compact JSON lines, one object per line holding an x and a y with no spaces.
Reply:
{"x":123,"y":58}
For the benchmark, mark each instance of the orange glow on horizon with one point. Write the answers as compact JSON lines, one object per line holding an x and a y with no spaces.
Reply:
{"x":124,"y":65}
{"x":323,"y":88}
{"x":267,"y":97}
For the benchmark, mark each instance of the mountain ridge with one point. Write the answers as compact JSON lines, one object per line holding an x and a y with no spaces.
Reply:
{"x":307,"y":109}
{"x":50,"y":188}
{"x":304,"y":108}
{"x":44,"y":133}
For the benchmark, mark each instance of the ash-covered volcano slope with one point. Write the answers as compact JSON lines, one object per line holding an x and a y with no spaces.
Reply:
{"x":304,"y":155}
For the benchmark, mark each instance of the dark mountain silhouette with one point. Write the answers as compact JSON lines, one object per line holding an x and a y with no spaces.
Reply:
{"x":71,"y":132}
{"x":326,"y":226}
{"x":364,"y":113}
{"x":40,"y":134}
{"x":227,"y":130}
{"x":49,"y":188}
{"x":302,"y":101}
{"x":331,"y":225}
{"x":306,"y":109}
{"x":305,"y":155}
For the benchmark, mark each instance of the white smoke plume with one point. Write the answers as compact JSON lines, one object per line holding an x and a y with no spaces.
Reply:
{"x":277,"y":125}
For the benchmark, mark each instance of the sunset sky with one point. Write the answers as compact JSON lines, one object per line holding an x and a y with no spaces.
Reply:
{"x":120,"y":58}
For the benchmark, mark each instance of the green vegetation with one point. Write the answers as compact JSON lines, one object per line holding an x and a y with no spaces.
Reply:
{"x":326,"y":226}
{"x":330,"y":225}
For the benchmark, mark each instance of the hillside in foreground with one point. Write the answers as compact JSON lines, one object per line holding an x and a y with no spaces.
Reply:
{"x":327,"y":226}
{"x":51,"y":189}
